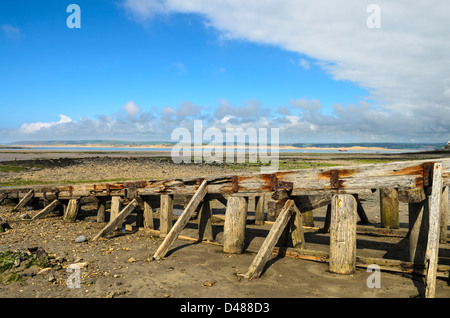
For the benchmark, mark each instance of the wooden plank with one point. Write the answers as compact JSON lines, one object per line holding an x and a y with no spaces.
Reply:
{"x":114,"y":223}
{"x":72,"y":209}
{"x":343,"y":234}
{"x":431,"y":258}
{"x":166,"y":213}
{"x":275,"y":232}
{"x":444,"y":216}
{"x":27,"y":198}
{"x":234,"y":225}
{"x":389,"y":208}
{"x":181,"y":222}
{"x":49,"y":208}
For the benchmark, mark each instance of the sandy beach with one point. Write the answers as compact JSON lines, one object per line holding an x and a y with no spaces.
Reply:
{"x":120,"y":265}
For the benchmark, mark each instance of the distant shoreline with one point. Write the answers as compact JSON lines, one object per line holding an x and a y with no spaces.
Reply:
{"x":170,"y":146}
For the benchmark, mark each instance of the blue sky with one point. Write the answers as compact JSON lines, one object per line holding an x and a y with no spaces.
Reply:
{"x":137,"y":69}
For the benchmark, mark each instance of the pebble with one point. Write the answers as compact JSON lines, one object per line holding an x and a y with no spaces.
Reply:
{"x":80,"y":239}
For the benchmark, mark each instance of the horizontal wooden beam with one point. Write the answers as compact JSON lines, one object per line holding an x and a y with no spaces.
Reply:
{"x":348,"y":179}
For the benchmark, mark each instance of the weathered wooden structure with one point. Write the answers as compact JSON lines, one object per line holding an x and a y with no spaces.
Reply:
{"x":422,"y":184}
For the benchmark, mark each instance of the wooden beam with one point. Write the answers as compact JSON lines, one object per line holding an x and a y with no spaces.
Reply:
{"x":234,"y":225}
{"x":275,"y":232}
{"x":343,"y":234}
{"x":418,"y":231}
{"x":27,"y":198}
{"x":353,"y":179}
{"x":114,"y":223}
{"x":49,"y":208}
{"x":181,"y":222}
{"x":431,"y":258}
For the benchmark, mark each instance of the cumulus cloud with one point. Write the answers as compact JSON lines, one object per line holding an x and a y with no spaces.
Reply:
{"x":404,"y":65}
{"x":39,"y":126}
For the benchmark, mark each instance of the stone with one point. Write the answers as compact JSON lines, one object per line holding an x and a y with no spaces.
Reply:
{"x":80,"y":239}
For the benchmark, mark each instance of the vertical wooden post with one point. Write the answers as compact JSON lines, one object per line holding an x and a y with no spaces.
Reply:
{"x":204,"y":222}
{"x":234,"y":226}
{"x":116,"y":206}
{"x":431,"y":257}
{"x":308,"y":218}
{"x":389,"y":208}
{"x":166,"y":213}
{"x":148,"y":215}
{"x":259,"y":210}
{"x":101,"y":211}
{"x":343,"y":234}
{"x":72,"y":210}
{"x":418,"y":232}
{"x":444,"y":216}
{"x":297,"y":231}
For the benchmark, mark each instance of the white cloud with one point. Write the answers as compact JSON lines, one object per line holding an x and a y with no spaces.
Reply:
{"x":305,"y":64}
{"x":35,"y":127}
{"x":404,"y":65}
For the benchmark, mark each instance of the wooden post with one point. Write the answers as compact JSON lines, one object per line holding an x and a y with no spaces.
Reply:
{"x":71,"y":213}
{"x":297,"y":231}
{"x":308,"y":217}
{"x":234,"y":226}
{"x":275,"y":232}
{"x":431,"y":257}
{"x":259,"y":210}
{"x":118,"y":220}
{"x":444,"y":216}
{"x":101,"y":211}
{"x":49,"y":208}
{"x":204,"y":222}
{"x":181,"y":222}
{"x":389,"y":208}
{"x":166,"y":213}
{"x":418,"y":232}
{"x":343,"y":234}
{"x":148,"y":215}
{"x":27,"y":198}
